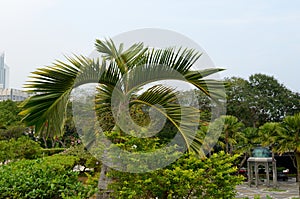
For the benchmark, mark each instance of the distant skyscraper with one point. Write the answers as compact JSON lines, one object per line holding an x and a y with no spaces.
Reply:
{"x":4,"y":73}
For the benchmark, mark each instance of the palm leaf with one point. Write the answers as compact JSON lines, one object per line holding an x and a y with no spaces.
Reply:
{"x":125,"y":60}
{"x":53,"y":85}
{"x":185,"y":119}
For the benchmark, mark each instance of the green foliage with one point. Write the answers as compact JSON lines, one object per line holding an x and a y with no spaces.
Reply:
{"x":52,"y":151}
{"x":231,"y":134}
{"x":275,"y":189}
{"x":9,"y":113}
{"x":125,"y":71}
{"x":21,"y":148}
{"x":142,"y":148}
{"x":269,"y":133}
{"x":84,"y":157}
{"x":10,"y":132}
{"x":188,"y":177}
{"x":51,"y":177}
{"x":10,"y":123}
{"x":46,"y":110}
{"x":283,"y":137}
{"x":127,"y":142}
{"x":260,"y":99}
{"x":92,"y":179}
{"x":288,"y":138}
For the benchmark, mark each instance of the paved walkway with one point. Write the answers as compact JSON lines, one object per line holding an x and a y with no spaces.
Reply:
{"x":288,"y":189}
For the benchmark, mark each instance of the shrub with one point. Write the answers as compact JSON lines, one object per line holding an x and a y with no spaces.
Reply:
{"x":22,"y":148}
{"x":85,"y":159}
{"x":50,"y":177}
{"x":188,"y":177}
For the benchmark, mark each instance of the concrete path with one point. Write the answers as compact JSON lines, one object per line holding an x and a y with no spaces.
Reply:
{"x":288,"y":189}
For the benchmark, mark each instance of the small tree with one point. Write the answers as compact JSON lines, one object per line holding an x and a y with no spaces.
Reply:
{"x":231,"y":133}
{"x":284,"y":137}
{"x":125,"y":71}
{"x":260,"y":99}
{"x":188,"y":177}
{"x":22,"y":148}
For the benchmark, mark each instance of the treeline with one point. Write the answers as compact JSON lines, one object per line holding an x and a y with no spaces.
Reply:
{"x":260,"y":111}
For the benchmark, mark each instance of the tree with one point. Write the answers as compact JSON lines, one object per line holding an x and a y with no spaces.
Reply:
{"x":123,"y":71}
{"x":268,"y":133}
{"x":12,"y":132}
{"x":246,"y":145}
{"x":22,"y":148}
{"x":284,"y":137}
{"x":9,"y":114}
{"x":238,"y":94}
{"x":260,"y":99}
{"x":189,"y":177}
{"x":231,"y":133}
{"x":288,"y":139}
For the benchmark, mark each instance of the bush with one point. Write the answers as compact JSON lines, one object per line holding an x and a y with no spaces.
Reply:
{"x":51,"y":177}
{"x":188,"y":177}
{"x":86,"y":159}
{"x":22,"y":148}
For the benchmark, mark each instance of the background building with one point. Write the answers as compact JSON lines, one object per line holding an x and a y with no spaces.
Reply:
{"x":12,"y":94}
{"x":4,"y":73}
{"x":7,"y":93}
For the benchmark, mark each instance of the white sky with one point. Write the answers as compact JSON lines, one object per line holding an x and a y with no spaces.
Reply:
{"x":245,"y":37}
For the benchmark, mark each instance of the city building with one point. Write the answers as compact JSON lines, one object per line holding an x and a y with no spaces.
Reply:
{"x":4,"y":73}
{"x":7,"y":93}
{"x":12,"y":94}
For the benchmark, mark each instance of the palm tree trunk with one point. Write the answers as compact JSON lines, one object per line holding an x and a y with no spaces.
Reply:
{"x":53,"y":142}
{"x":45,"y":142}
{"x":103,"y":192}
{"x":297,"y":154}
{"x":103,"y":182}
{"x":243,"y":161}
{"x":231,"y":149}
{"x":226,"y":141}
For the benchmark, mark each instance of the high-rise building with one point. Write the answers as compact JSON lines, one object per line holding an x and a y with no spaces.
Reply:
{"x":7,"y":93}
{"x":4,"y":73}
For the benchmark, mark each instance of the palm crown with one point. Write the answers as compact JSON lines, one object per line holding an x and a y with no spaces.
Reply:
{"x":120,"y":73}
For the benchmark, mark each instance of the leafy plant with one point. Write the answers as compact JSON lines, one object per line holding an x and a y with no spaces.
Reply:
{"x":22,"y":148}
{"x":85,"y":159}
{"x":51,"y":177}
{"x":188,"y":177}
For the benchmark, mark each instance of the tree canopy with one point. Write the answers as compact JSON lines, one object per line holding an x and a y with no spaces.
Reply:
{"x":260,"y":99}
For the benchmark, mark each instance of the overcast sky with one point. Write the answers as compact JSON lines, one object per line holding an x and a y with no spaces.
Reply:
{"x":245,"y":37}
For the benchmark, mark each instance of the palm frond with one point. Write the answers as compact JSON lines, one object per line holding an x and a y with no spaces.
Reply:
{"x":125,"y":60}
{"x":52,"y":86}
{"x":178,"y":59}
{"x":185,"y":119}
{"x":182,"y":61}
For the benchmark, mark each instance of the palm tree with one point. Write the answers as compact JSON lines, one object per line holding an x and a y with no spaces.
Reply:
{"x":121,"y":72}
{"x":268,"y":133}
{"x":288,"y":139}
{"x":246,"y":144}
{"x":284,"y":137}
{"x":231,"y":132}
